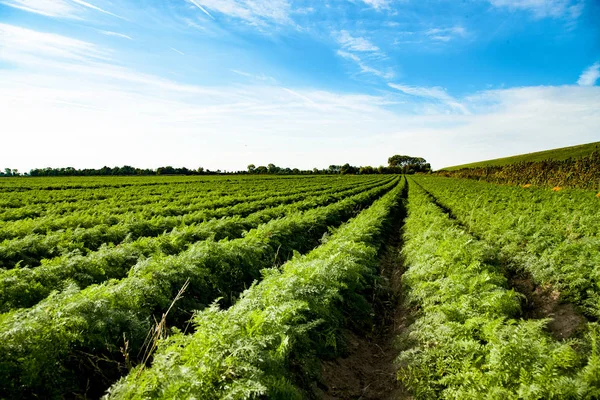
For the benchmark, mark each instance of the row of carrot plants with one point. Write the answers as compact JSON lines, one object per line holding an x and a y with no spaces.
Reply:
{"x":166,"y":204}
{"x":31,"y":249}
{"x":55,"y":184}
{"x":468,"y":340}
{"x":269,"y":343}
{"x":24,"y":287}
{"x":72,"y":342}
{"x":39,"y":204}
{"x":553,"y":235}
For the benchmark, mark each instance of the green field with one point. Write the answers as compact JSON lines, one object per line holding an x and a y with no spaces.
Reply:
{"x":559,"y":154}
{"x":297,"y":287}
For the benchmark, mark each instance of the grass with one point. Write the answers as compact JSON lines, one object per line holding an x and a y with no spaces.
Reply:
{"x":562,"y":153}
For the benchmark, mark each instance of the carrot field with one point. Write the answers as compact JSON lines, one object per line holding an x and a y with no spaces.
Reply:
{"x":248,"y":287}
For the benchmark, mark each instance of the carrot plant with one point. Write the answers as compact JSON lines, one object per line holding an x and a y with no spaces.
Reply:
{"x":72,"y":339}
{"x":468,"y":340}
{"x":554,"y":236}
{"x":269,"y":343}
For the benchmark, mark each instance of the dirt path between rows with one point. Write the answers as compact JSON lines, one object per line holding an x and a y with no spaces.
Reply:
{"x":540,"y":302}
{"x":367,"y":371}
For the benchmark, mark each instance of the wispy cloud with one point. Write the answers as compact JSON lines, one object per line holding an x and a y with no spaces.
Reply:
{"x":116,"y":34}
{"x":256,"y":12}
{"x":194,"y":2}
{"x":544,"y":8}
{"x":590,"y":75}
{"x":178,"y":51}
{"x":378,"y":4}
{"x":93,"y":7}
{"x":57,"y":8}
{"x":25,"y":44}
{"x":364,"y":67}
{"x":362,"y":52}
{"x":349,"y":42}
{"x":446,"y":34}
{"x":255,"y":77}
{"x":431,"y":93}
{"x":49,"y":8}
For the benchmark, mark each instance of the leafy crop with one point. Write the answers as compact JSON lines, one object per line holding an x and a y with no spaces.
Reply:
{"x":74,"y":338}
{"x":268,"y":343}
{"x":468,"y":341}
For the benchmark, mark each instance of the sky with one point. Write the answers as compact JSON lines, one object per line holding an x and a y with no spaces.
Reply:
{"x":220,"y":84}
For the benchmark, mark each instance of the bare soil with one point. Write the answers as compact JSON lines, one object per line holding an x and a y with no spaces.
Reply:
{"x":544,"y":302}
{"x":367,"y":370}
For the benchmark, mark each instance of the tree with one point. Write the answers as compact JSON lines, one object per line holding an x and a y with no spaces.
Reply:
{"x":251,"y":168}
{"x":348,"y":169}
{"x":408,"y":164}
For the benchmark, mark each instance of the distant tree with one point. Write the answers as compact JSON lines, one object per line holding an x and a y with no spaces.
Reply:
{"x":251,"y":168}
{"x":261,"y":169}
{"x":334,"y":169}
{"x":348,"y":169}
{"x":367,"y":170}
{"x":408,"y":164}
{"x":273,"y":169}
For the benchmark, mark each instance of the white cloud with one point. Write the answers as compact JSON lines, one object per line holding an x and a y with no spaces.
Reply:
{"x":378,"y":4}
{"x":194,"y":2}
{"x":50,"y":8}
{"x":255,"y":77}
{"x":116,"y":34}
{"x":57,"y":8}
{"x":93,"y":7}
{"x":389,"y":74}
{"x":19,"y":43}
{"x":256,"y":12}
{"x":590,"y":75}
{"x":349,"y":42}
{"x":66,"y":104}
{"x":435,"y":93}
{"x":446,"y":34}
{"x":544,"y":8}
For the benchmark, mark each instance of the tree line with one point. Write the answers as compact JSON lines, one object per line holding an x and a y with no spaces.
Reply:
{"x":397,"y":164}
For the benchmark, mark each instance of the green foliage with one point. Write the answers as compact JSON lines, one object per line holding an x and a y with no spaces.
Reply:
{"x":560,"y":154}
{"x":267,"y":344}
{"x":55,"y":347}
{"x":554,"y":236}
{"x":579,"y":168}
{"x":24,"y":287}
{"x":467,"y":342}
{"x":54,"y":235}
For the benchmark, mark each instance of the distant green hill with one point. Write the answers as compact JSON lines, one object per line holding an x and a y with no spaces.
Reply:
{"x":562,"y":153}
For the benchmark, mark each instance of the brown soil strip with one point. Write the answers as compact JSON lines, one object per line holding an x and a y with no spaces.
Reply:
{"x":540,"y":301}
{"x":367,"y":370}
{"x":544,"y":302}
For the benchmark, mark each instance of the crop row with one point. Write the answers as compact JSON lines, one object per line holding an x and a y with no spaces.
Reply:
{"x":71,"y":341}
{"x":39,"y":203}
{"x":468,"y":341}
{"x":267,"y":345}
{"x":129,"y":208}
{"x":31,"y":249}
{"x":554,"y":236}
{"x":24,"y":287}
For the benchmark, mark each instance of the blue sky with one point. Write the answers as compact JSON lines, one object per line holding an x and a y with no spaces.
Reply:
{"x":224,"y":83}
